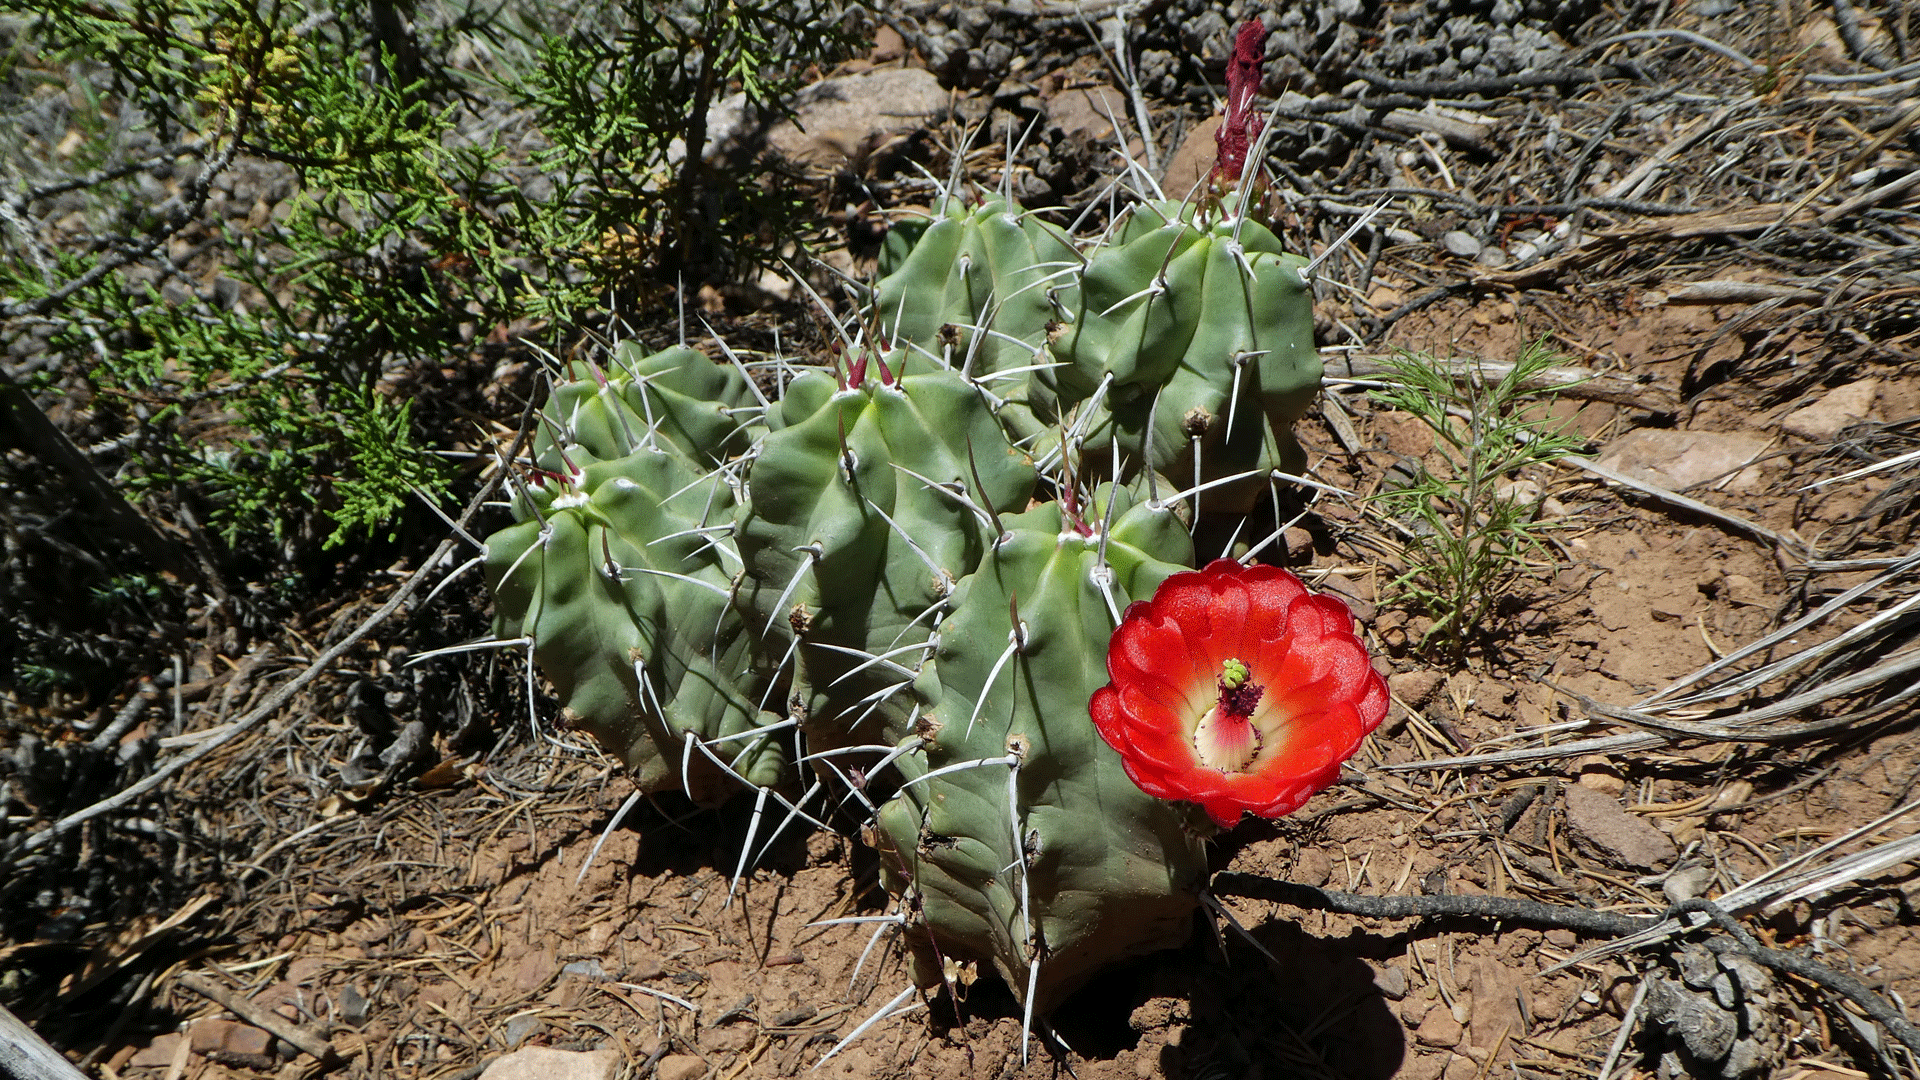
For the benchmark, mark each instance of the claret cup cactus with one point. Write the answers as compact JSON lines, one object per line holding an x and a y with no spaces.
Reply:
{"x":897,"y":577}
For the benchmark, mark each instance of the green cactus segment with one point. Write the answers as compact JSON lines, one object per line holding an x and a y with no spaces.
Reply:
{"x":675,"y":400}
{"x":993,"y":273}
{"x":623,"y":567}
{"x":823,"y":560}
{"x":1197,"y":334}
{"x":1108,"y":872}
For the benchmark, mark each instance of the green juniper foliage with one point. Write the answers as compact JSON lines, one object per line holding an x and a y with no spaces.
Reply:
{"x":475,"y":169}
{"x":1464,"y":540}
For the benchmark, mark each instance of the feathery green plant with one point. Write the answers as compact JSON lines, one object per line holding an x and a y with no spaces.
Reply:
{"x":1464,"y":539}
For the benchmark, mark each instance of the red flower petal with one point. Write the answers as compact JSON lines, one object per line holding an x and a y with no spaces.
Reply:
{"x":1310,"y":693}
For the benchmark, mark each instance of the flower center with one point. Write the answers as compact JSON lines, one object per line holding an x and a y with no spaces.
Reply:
{"x":1226,"y":738}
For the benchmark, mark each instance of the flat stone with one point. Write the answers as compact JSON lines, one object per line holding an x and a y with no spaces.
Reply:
{"x":1600,"y":824}
{"x":217,"y":1036}
{"x":1193,"y":162}
{"x":845,"y":118}
{"x":680,"y":1067}
{"x":1678,"y":460}
{"x":1088,"y":113}
{"x":1461,"y":244}
{"x":544,"y":1063}
{"x":1837,"y":410}
{"x":1392,"y":982}
{"x":157,"y":1054}
{"x":1416,"y":688}
{"x":1439,"y":1028}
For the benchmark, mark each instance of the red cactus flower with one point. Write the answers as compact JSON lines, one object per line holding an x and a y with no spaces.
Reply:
{"x":1241,"y":125}
{"x":1237,"y":689}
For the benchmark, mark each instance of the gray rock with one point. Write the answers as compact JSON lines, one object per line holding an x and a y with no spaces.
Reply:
{"x":1678,"y":460}
{"x":542,"y":1063}
{"x":1461,"y":244}
{"x":1838,"y":409}
{"x":1686,"y":883}
{"x":1599,"y":824}
{"x":835,"y":120}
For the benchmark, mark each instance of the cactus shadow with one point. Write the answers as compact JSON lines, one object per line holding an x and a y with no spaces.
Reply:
{"x":1312,"y":1010}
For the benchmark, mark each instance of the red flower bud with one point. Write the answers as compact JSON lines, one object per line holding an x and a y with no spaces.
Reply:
{"x":1241,"y":125}
{"x":1237,"y":689}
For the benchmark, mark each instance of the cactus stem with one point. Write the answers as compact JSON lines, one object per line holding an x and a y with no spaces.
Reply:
{"x":871,"y":659}
{"x":613,"y":823}
{"x":753,"y":826}
{"x":881,"y":1014}
{"x":814,"y":554}
{"x":448,"y":580}
{"x":470,"y":646}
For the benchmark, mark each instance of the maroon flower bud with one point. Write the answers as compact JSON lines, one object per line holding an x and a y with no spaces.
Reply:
{"x":1241,"y":125}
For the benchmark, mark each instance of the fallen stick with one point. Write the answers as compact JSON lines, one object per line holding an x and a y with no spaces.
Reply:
{"x":309,"y":1041}
{"x":25,"y":1055}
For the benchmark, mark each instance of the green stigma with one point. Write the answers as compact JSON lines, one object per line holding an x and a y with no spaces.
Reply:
{"x":1232,"y":674}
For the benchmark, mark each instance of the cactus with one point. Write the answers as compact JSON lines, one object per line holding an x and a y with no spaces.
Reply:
{"x":906,"y":570}
{"x":1017,"y":839}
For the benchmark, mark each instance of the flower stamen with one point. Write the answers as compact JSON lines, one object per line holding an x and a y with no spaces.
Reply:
{"x":1226,"y":738}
